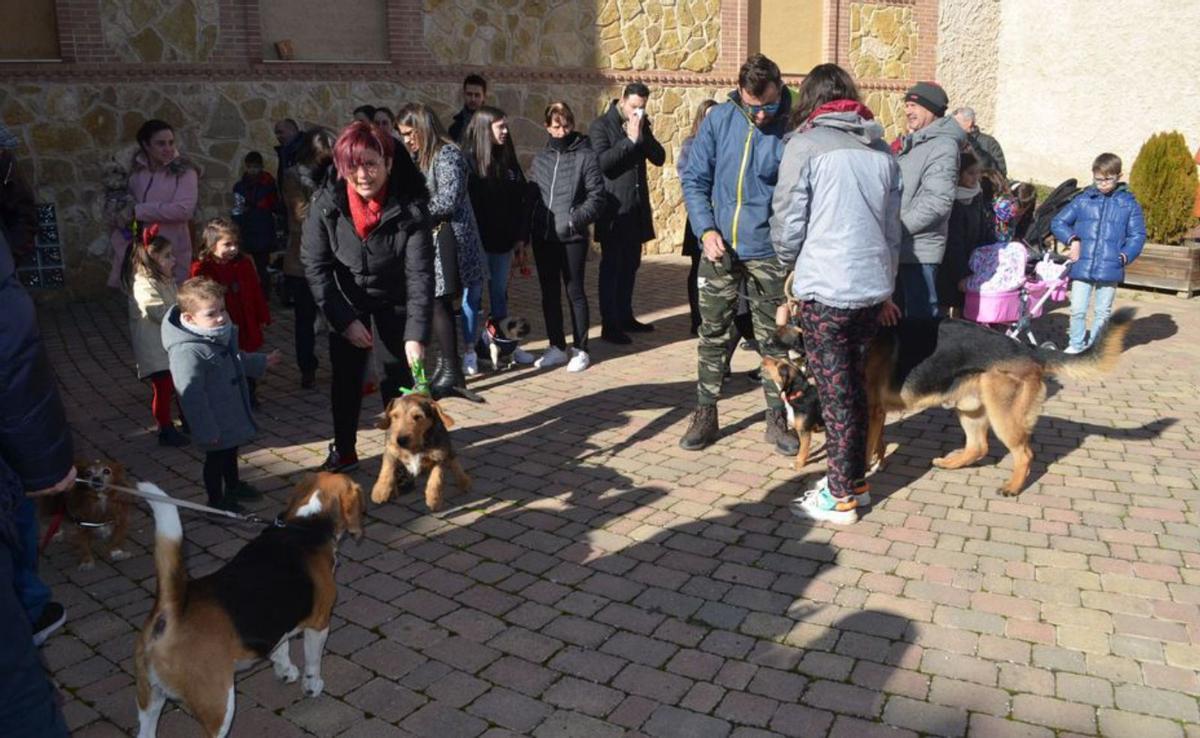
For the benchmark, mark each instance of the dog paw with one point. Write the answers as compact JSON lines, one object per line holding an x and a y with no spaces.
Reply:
{"x":87,"y":566}
{"x":1005,"y":492}
{"x":380,"y":495}
{"x":119,"y":554}
{"x":313,"y":686}
{"x":287,"y":674}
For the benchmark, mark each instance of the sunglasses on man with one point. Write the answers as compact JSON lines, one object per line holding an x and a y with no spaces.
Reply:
{"x":769,"y":109}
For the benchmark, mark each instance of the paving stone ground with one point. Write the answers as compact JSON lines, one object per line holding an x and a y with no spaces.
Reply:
{"x":602,"y":582}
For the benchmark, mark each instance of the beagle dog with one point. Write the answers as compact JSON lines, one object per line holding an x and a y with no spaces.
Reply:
{"x":201,"y":631}
{"x":418,"y":440}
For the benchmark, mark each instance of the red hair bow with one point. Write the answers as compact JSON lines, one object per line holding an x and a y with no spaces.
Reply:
{"x":149,"y":233}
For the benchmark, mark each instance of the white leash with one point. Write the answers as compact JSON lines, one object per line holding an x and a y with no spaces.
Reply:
{"x":240,"y":517}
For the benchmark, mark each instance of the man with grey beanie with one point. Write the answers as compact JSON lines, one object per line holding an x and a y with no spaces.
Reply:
{"x":928,"y":158}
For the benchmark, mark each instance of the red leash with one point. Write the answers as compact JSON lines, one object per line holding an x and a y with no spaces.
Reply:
{"x":53,"y":527}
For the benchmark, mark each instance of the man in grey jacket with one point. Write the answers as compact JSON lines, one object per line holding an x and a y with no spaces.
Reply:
{"x":928,"y":158}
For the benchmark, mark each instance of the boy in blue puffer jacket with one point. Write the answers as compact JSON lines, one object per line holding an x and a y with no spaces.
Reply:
{"x":1105,"y":230}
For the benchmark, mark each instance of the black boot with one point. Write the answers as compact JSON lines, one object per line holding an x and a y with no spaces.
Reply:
{"x":703,"y":429}
{"x":449,"y":381}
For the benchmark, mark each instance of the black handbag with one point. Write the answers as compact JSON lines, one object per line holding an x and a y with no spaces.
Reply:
{"x":446,"y":252}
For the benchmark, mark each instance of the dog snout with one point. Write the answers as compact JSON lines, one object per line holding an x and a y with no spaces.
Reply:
{"x":402,"y":441}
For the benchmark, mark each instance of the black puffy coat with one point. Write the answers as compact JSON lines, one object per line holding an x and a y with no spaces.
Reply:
{"x":570,"y":190}
{"x":501,"y":206}
{"x":36,"y":449}
{"x":970,"y":226}
{"x":392,"y":268}
{"x":627,"y":215}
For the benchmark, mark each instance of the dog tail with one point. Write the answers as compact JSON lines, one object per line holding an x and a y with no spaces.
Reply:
{"x":1099,"y":358}
{"x":168,"y":550}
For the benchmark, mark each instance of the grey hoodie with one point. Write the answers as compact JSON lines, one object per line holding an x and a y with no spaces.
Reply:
{"x":210,"y":374}
{"x":836,"y":212}
{"x":929,"y":165}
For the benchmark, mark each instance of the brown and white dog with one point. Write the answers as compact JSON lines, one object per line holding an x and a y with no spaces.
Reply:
{"x":418,"y":440}
{"x":92,"y":509}
{"x":800,"y":400}
{"x":201,"y":631}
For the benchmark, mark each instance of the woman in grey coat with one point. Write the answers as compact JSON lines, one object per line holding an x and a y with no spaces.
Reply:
{"x":458,"y":261}
{"x":571,"y":197}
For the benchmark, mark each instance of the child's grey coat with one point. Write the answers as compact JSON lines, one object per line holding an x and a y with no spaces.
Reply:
{"x":210,"y":376}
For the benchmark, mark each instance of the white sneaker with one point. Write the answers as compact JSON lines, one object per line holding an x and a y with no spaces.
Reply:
{"x":521,"y":356}
{"x":1073,"y":350}
{"x":470,"y":364}
{"x":818,"y":504}
{"x":553,"y":356}
{"x":579,"y":361}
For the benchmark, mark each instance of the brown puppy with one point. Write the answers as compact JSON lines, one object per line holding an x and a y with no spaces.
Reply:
{"x":200,"y":631}
{"x":418,"y":439}
{"x":93,"y":510}
{"x":800,"y":399}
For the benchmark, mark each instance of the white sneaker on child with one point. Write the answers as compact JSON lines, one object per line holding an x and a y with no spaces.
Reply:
{"x":579,"y":361}
{"x":552,"y":356}
{"x":521,"y":356}
{"x":470,"y":364}
{"x":1073,"y":350}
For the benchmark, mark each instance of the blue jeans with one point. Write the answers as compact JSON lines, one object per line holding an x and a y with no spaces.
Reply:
{"x":31,"y":590}
{"x":916,"y":290}
{"x":472,"y":311}
{"x":27,"y":705}
{"x":498,"y":266}
{"x":1081,"y":295}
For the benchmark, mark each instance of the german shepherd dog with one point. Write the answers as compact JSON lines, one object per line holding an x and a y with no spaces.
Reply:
{"x":989,"y":379}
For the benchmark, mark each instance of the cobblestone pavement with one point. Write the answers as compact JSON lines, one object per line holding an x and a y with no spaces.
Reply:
{"x":600,"y":581}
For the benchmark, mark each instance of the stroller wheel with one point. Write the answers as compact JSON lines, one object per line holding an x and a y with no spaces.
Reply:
{"x":1048,"y":346}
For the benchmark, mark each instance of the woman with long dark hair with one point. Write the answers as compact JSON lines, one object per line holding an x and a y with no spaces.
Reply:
{"x":368,"y":256}
{"x":458,"y":259}
{"x":837,"y":222}
{"x":164,"y":187}
{"x":500,"y":201}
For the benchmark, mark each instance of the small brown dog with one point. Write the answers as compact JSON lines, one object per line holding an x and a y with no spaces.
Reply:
{"x":281,"y":583}
{"x":418,"y":439}
{"x":94,"y":510}
{"x":800,"y":401}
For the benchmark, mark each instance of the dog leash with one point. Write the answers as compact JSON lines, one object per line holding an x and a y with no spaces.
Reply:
{"x":187,"y":505}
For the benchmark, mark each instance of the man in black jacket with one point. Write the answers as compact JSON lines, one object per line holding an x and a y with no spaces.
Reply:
{"x":36,"y":455}
{"x":474,"y":92}
{"x":987,"y":148}
{"x":624,"y":141}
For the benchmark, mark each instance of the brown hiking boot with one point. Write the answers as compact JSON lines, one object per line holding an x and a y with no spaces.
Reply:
{"x":703,"y":429}
{"x":780,"y":434}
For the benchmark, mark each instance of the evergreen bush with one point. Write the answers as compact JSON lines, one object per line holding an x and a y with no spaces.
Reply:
{"x":1164,"y":181}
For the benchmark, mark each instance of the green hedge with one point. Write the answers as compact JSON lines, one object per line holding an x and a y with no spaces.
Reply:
{"x":1163,"y":179}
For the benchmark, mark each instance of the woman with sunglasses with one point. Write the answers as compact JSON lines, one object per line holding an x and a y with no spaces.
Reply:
{"x":368,"y":256}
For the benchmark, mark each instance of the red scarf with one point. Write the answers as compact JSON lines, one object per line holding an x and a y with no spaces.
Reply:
{"x":366,"y":213}
{"x":842,"y":106}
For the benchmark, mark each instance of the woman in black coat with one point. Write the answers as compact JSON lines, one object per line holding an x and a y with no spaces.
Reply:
{"x":570,"y":198}
{"x":970,"y":226}
{"x":368,"y":256}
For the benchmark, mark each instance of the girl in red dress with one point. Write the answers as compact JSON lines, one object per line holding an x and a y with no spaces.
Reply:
{"x":221,"y":260}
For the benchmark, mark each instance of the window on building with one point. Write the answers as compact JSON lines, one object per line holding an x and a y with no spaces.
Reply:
{"x":790,"y":32}
{"x":318,"y":30}
{"x":29,"y":31}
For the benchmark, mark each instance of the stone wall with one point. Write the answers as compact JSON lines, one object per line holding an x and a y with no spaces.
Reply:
{"x":968,"y":58}
{"x":883,"y":41}
{"x":156,"y":30}
{"x":573,"y":34}
{"x":69,"y":130}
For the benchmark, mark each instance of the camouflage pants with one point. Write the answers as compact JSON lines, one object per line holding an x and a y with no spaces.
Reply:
{"x":718,"y":284}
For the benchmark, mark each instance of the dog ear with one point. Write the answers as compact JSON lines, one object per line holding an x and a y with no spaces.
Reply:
{"x":351,"y":500}
{"x":446,"y":419}
{"x":384,"y":421}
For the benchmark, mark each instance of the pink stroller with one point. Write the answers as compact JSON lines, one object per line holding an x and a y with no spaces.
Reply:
{"x":1006,"y":291}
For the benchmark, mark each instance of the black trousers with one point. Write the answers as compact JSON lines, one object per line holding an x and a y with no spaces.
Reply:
{"x":619,"y":262}
{"x":563,"y":262}
{"x":261,"y":260}
{"x":349,"y":365}
{"x":304,"y":308}
{"x":220,"y":473}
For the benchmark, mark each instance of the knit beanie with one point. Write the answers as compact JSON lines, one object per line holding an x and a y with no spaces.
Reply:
{"x":930,"y":96}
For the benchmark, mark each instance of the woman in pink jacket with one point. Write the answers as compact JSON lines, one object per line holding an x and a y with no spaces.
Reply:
{"x":163,"y":185}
